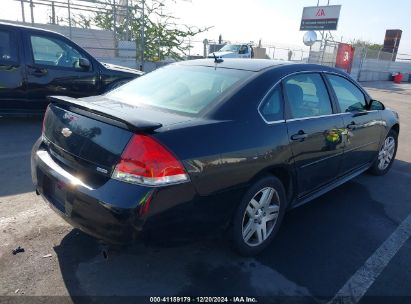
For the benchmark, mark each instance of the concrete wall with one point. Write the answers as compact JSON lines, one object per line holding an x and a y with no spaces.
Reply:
{"x":373,"y":69}
{"x":260,"y":53}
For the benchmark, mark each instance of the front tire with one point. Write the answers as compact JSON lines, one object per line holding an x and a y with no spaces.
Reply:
{"x":386,"y":155}
{"x":258,"y":217}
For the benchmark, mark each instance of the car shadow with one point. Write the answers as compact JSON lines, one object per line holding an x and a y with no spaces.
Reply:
{"x":318,"y":248}
{"x":17,"y":137}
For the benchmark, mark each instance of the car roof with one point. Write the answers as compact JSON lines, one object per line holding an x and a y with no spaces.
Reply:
{"x":254,"y":65}
{"x":257,"y":65}
{"x":31,"y":28}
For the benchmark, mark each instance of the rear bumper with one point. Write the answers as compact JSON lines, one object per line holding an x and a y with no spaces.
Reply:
{"x":115,"y":212}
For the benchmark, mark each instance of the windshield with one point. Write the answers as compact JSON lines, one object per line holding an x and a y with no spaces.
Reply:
{"x":186,"y":89}
{"x":230,"y":48}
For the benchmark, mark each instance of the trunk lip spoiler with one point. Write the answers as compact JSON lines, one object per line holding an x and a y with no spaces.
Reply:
{"x":96,"y":112}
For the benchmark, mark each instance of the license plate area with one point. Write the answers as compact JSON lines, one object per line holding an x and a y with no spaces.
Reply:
{"x":55,"y":191}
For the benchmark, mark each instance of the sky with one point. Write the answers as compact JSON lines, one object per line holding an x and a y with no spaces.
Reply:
{"x":275,"y":22}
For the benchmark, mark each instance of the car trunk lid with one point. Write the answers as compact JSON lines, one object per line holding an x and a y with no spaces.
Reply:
{"x":87,"y":137}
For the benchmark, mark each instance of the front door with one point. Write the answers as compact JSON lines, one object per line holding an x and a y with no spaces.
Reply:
{"x":12,"y":86}
{"x":315,"y":131}
{"x":364,"y":127}
{"x":54,"y":69}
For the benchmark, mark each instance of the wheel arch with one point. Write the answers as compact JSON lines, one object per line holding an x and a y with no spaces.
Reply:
{"x":396,"y":128}
{"x":284,"y":173}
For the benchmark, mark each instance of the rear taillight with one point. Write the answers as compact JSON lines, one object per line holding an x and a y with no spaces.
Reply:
{"x":147,"y":162}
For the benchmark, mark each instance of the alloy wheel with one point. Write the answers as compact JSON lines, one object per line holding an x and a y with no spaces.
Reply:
{"x":260,"y":216}
{"x":386,"y":153}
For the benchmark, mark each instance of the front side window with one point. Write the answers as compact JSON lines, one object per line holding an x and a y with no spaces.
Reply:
{"x":185,"y":89}
{"x":54,"y":52}
{"x":8,"y":48}
{"x":272,"y":107}
{"x":307,"y":95}
{"x":349,"y":97}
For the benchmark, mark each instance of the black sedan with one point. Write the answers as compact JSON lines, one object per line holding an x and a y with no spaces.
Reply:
{"x":204,"y":146}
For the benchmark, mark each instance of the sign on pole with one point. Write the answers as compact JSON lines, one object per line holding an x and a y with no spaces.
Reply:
{"x":345,"y":55}
{"x":316,"y":18}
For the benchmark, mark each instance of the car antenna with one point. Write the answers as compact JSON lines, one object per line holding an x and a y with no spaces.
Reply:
{"x":216,"y":59}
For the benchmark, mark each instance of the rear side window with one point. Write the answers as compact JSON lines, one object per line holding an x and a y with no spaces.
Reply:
{"x":272,"y":108}
{"x":307,"y":95}
{"x":349,"y":97}
{"x":185,"y":89}
{"x":8,"y":47}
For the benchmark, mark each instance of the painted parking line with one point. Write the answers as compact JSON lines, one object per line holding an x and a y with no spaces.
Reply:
{"x":356,"y":287}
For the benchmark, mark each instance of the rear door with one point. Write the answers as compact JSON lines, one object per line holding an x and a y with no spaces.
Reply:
{"x":363,"y":127}
{"x":314,"y":131}
{"x":12,"y":87}
{"x":53,"y":69}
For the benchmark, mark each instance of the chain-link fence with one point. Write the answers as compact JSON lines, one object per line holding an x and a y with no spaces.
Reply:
{"x":119,"y":47}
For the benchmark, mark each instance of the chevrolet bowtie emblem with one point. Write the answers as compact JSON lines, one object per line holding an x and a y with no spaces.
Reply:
{"x":66,"y":132}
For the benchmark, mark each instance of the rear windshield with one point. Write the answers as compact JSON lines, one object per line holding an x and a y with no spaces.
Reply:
{"x":184,"y":89}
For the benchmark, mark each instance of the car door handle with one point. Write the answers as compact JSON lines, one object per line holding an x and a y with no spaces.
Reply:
{"x":351,"y":125}
{"x":356,"y":114}
{"x":37,"y":71}
{"x":300,"y":136}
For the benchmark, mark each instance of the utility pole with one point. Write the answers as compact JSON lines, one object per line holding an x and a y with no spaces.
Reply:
{"x":31,"y":11}
{"x":22,"y":11}
{"x":142,"y":36}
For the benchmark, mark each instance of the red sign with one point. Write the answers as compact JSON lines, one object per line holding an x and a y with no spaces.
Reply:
{"x":320,"y":13}
{"x":345,"y":55}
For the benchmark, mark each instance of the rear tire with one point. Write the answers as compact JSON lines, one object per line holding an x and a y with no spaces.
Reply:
{"x":386,"y":155}
{"x":258,"y":217}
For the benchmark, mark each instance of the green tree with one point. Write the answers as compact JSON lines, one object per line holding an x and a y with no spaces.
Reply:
{"x":367,"y":44}
{"x":164,"y":37}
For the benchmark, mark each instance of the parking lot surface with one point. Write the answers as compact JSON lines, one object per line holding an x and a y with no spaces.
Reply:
{"x":352,"y":242}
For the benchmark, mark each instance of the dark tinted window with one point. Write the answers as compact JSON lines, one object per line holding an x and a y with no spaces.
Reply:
{"x":186,"y":89}
{"x":272,"y":108}
{"x":8,"y":48}
{"x":350,"y":98}
{"x":307,"y":95}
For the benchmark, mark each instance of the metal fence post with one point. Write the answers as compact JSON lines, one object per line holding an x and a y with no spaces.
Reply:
{"x":325,"y":46}
{"x":363,"y":57}
{"x":31,"y":11}
{"x":127,"y":22}
{"x":69,"y":17}
{"x":142,"y":36}
{"x":114,"y":19}
{"x":22,"y":11}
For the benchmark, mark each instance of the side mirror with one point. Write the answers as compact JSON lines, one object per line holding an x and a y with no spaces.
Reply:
{"x":376,"y":105}
{"x":242,"y":51}
{"x":84,"y":63}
